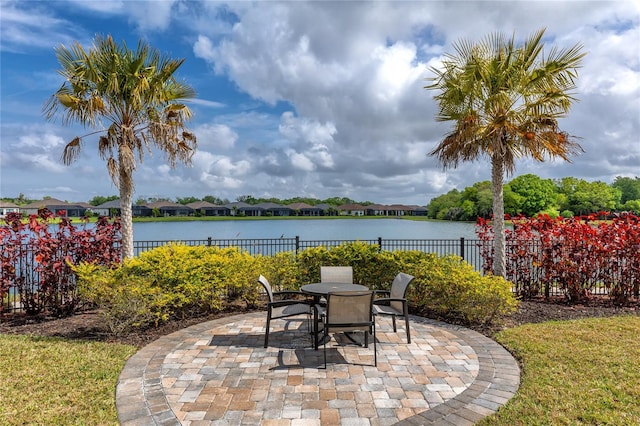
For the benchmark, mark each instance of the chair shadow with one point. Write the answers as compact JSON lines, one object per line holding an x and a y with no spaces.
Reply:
{"x":294,"y":344}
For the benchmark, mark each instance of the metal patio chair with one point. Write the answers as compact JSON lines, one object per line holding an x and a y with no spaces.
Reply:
{"x":336,"y":274}
{"x":395,"y":305}
{"x":349,"y":312}
{"x":283,"y":308}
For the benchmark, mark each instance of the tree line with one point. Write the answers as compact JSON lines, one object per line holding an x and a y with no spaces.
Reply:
{"x":21,"y":200}
{"x":530,"y":195}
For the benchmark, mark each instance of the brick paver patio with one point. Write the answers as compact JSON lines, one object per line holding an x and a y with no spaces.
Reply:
{"x":218,"y":373}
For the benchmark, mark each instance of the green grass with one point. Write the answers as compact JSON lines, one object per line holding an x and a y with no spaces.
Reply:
{"x":49,"y":381}
{"x":583,"y":372}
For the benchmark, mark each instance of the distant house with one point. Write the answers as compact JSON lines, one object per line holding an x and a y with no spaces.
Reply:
{"x":239,"y":208}
{"x":6,"y":208}
{"x":169,"y":208}
{"x":273,"y":209}
{"x":352,"y":210}
{"x":110,"y":208}
{"x":327,"y":209}
{"x":418,"y":211}
{"x":304,"y":209}
{"x":205,"y":208}
{"x":57,"y":207}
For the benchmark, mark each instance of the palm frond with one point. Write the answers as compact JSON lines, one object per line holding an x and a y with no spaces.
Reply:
{"x":71,"y":151}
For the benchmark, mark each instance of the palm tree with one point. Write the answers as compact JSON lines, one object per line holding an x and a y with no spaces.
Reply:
{"x":505,"y":102}
{"x":136,"y":94}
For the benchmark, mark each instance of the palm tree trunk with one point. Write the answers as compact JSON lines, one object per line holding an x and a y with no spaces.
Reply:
{"x":126,"y":215}
{"x":497,"y":174}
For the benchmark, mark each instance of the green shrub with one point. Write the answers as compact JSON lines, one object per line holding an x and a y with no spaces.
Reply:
{"x":170,"y":281}
{"x":281,"y":270}
{"x":450,"y":286}
{"x":127,"y":301}
{"x":183,"y":281}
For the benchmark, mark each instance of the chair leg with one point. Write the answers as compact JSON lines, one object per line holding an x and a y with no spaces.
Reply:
{"x":324,"y":341}
{"x":375,"y":350}
{"x":406,"y":322}
{"x":393,"y":318}
{"x":266,"y":335}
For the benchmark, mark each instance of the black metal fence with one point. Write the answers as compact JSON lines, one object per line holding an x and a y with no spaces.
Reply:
{"x":468,"y":249}
{"x":471,"y":250}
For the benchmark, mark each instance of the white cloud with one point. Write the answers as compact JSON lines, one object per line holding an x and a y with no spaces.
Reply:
{"x":215,"y":136}
{"x":322,"y":98}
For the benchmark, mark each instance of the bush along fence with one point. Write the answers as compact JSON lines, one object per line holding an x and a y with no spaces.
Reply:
{"x":574,"y":258}
{"x":35,"y":270}
{"x":580,"y":256}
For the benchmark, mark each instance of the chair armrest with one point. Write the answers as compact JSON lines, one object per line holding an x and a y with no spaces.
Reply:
{"x":279,"y":303}
{"x":305,"y":298}
{"x":289,"y":293}
{"x":386,"y":300}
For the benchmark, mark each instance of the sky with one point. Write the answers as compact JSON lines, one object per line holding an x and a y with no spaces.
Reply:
{"x":315,"y":99}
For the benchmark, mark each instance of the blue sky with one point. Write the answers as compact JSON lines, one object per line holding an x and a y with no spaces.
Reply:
{"x":315,"y":99}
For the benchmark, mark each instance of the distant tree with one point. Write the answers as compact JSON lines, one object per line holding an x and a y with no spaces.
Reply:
{"x":536,"y":194}
{"x":480,"y":195}
{"x":631,"y":206}
{"x":630,"y":188}
{"x":187,"y":200}
{"x":512,"y":201}
{"x":504,"y":102}
{"x":215,"y":200}
{"x":582,"y":197}
{"x":135,"y":93}
{"x":249,"y":199}
{"x":100,"y":199}
{"x":443,"y":206}
{"x":338,"y":201}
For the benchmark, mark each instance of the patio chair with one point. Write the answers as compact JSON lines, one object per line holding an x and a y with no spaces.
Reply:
{"x":348,"y":312}
{"x":336,"y":274}
{"x":395,"y":305}
{"x":283,"y":308}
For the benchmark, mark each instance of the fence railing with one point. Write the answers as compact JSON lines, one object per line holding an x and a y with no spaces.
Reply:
{"x":468,"y":249}
{"x":471,"y":250}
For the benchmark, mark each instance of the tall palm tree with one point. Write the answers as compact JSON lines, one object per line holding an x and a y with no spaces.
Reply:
{"x":505,"y":101}
{"x":136,"y":95}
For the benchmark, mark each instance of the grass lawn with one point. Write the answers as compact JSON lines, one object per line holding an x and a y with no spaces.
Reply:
{"x":47,"y":381}
{"x":582,"y":372}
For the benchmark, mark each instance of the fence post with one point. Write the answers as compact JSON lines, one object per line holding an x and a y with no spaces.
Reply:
{"x":462,"y":247}
{"x":209,"y":241}
{"x":297,"y":244}
{"x":379,"y":243}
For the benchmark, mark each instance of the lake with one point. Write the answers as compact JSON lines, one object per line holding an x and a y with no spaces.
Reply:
{"x":306,"y":229}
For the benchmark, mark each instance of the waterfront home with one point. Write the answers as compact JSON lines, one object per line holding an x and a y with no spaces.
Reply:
{"x":57,"y":207}
{"x":6,"y":208}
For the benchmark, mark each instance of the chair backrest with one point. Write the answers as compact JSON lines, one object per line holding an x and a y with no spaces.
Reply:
{"x":399,"y":289}
{"x":267,"y":287}
{"x":336,"y":274}
{"x":349,"y":310}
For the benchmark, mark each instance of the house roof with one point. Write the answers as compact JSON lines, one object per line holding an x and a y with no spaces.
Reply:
{"x":113,"y":204}
{"x":166,"y":204}
{"x":204,"y":205}
{"x":44,"y":203}
{"x":8,"y":205}
{"x":271,"y":206}
{"x":302,"y":206}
